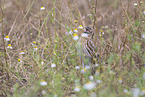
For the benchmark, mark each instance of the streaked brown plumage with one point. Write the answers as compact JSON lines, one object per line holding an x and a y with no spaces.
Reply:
{"x":89,"y":49}
{"x":89,"y":45}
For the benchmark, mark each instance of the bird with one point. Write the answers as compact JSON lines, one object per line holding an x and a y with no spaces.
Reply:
{"x":88,"y":51}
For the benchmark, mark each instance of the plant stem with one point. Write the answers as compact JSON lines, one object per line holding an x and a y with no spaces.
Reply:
{"x":95,"y":18}
{"x":2,"y":31}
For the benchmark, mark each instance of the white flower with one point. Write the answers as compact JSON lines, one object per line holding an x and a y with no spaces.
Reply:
{"x":143,"y":36}
{"x":89,"y":85}
{"x":84,"y":35}
{"x":91,"y":77}
{"x":93,"y":94}
{"x":77,"y":89}
{"x":89,"y":15}
{"x":19,"y":61}
{"x":135,"y":4}
{"x":53,"y":65}
{"x":96,"y":64}
{"x":35,"y":48}
{"x":144,"y":76}
{"x":111,"y":72}
{"x":76,"y":21}
{"x":77,"y":67}
{"x":7,"y":38}
{"x":22,"y":53}
{"x":83,"y":17}
{"x":66,"y":33}
{"x":43,"y":92}
{"x":136,"y":92}
{"x":80,"y":27}
{"x":98,"y":81}
{"x":75,"y":30}
{"x":9,"y":46}
{"x":77,"y":80}
{"x":34,"y":43}
{"x":87,"y":67}
{"x":142,"y":92}
{"x":42,"y":62}
{"x":125,"y":91}
{"x":70,"y":32}
{"x":144,"y":12}
{"x":106,"y":26}
{"x":83,"y":70}
{"x":43,"y":83}
{"x":120,"y":80}
{"x":63,"y":78}
{"x":54,"y":53}
{"x":55,"y":95}
{"x":101,"y":33}
{"x":141,"y":2}
{"x":75,"y":37}
{"x":97,"y":72}
{"x":31,"y":66}
{"x":42,"y":8}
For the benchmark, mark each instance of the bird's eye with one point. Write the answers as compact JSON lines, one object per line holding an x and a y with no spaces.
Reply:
{"x":87,"y":28}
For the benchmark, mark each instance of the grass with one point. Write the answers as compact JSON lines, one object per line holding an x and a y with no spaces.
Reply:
{"x":43,"y":35}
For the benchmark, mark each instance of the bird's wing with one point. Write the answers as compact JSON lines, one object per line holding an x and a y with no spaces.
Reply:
{"x":91,"y":48}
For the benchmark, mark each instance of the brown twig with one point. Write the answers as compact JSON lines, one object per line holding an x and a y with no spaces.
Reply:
{"x":95,"y":18}
{"x":2,"y":31}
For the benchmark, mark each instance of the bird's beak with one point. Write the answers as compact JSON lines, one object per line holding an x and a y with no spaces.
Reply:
{"x":86,"y":30}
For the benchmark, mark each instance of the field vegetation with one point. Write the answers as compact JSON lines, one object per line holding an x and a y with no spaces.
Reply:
{"x":39,"y":55}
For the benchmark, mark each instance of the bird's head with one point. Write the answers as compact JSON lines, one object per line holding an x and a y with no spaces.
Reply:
{"x":89,"y":32}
